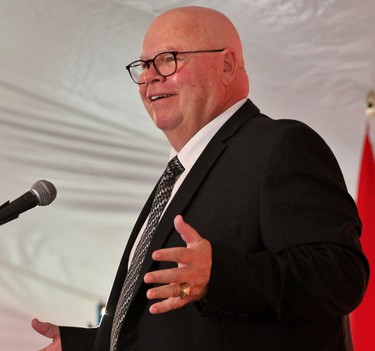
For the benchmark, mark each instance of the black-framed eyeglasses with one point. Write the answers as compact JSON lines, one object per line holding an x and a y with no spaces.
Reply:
{"x":164,"y":63}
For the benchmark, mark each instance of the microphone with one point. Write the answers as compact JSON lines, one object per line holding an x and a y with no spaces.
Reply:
{"x":42,"y":193}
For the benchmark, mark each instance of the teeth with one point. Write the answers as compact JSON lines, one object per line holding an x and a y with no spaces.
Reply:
{"x":155,"y":97}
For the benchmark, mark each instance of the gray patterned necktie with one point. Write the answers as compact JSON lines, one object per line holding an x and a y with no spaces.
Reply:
{"x":163,"y":192}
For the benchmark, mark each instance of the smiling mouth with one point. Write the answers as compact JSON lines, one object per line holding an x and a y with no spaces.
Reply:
{"x":159,"y":97}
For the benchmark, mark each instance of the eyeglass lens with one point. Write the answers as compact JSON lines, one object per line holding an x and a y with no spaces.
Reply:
{"x":164,"y":63}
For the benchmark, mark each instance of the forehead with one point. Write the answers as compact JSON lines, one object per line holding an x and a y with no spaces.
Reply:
{"x":175,"y":33}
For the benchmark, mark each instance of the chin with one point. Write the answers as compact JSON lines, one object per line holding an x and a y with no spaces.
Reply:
{"x":163,"y":120}
{"x":162,"y":124}
{"x":165,"y":124}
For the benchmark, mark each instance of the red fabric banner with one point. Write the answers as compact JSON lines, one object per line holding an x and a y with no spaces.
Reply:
{"x":363,"y":318}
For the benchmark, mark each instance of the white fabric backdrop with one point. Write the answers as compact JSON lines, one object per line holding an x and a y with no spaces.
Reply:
{"x":70,"y":114}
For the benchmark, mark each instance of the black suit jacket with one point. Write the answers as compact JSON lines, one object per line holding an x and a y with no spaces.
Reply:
{"x":287,"y":262}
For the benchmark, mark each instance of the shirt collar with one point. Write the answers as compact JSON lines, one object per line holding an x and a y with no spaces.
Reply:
{"x":194,"y":147}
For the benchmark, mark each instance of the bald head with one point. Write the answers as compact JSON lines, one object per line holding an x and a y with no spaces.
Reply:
{"x":197,"y":28}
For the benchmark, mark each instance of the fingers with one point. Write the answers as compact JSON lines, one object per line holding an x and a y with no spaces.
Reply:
{"x":172,"y":303}
{"x":187,"y":232}
{"x":194,"y":267}
{"x":48,"y":330}
{"x":164,"y":292}
{"x":175,"y":254}
{"x":176,"y":275}
{"x":180,"y":254}
{"x":173,"y":299}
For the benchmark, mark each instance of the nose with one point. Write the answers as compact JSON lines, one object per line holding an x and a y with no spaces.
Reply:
{"x":151,"y":75}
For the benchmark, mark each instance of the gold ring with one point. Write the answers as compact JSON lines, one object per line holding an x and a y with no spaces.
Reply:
{"x":184,"y":290}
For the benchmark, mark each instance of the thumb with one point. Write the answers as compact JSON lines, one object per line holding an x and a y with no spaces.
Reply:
{"x":187,"y":232}
{"x":48,"y":330}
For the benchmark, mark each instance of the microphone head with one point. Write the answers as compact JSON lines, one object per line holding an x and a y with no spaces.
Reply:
{"x":45,"y":191}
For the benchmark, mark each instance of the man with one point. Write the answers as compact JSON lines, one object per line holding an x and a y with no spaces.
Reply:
{"x":258,"y":248}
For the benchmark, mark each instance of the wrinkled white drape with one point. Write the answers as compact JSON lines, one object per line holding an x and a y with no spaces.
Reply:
{"x":70,"y":114}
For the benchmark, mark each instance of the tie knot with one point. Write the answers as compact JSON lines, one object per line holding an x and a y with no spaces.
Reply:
{"x":174,"y":167}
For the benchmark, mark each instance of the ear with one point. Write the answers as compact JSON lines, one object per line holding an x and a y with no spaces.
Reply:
{"x":229,"y":66}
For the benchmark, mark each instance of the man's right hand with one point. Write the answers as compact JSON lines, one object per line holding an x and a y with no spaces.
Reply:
{"x":50,"y":331}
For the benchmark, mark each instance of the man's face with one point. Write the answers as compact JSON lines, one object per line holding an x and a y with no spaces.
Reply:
{"x":181,"y":104}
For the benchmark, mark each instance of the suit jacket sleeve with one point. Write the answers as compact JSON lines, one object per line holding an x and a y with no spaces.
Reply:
{"x":77,"y":339}
{"x":311,"y":265}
